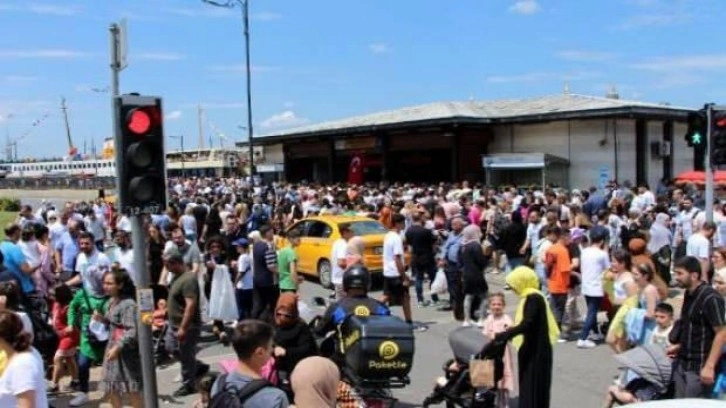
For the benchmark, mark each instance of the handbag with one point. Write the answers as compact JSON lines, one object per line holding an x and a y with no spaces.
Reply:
{"x":93,"y":339}
{"x":481,"y":373}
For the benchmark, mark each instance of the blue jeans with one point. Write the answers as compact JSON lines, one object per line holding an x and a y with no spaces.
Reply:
{"x":593,"y":306}
{"x":84,"y":371}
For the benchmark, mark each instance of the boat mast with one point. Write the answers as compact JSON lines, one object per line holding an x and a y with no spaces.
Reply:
{"x":64,"y":108}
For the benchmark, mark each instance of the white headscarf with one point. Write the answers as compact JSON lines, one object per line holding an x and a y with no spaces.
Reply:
{"x":471,"y":233}
{"x":660,"y":235}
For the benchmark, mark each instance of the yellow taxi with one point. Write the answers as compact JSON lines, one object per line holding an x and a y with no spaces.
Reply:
{"x":317,"y":236}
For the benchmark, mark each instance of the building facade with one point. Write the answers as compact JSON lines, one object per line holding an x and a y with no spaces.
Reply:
{"x":592,"y":139}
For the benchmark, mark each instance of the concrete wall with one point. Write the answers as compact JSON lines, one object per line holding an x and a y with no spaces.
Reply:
{"x":590,"y":147}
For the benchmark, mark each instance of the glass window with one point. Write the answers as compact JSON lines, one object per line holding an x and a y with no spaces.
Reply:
{"x":319,"y":229}
{"x":362,"y":228}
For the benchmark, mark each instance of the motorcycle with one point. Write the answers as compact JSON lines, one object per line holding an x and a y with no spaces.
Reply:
{"x":373,"y":388}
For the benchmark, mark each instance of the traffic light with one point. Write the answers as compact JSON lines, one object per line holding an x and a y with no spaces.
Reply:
{"x":696,"y":133}
{"x":718,"y":133}
{"x":140,"y":154}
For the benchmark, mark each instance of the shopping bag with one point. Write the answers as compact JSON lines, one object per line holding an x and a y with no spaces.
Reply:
{"x":481,"y":373}
{"x":222,"y":304}
{"x":439,"y":286}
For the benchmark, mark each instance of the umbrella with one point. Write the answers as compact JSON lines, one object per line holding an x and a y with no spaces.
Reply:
{"x":650,"y":363}
{"x":699,"y":177}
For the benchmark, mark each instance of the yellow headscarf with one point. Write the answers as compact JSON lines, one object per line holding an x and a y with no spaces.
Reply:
{"x":524,"y":282}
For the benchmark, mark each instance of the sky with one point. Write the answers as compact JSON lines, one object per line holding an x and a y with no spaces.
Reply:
{"x":318,"y":60}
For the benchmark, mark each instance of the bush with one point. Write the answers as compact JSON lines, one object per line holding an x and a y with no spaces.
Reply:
{"x":9,"y":204}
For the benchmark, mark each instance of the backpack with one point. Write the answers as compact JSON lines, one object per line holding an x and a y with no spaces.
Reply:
{"x":232,"y":397}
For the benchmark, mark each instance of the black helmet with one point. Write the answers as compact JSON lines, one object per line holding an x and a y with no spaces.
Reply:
{"x":356,"y":277}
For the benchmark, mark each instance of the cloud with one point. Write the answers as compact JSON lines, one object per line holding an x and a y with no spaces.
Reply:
{"x":215,"y":105}
{"x":204,"y":11}
{"x":285,"y":119}
{"x":241,"y":68}
{"x":288,"y":104}
{"x":654,"y":20}
{"x":525,"y":7}
{"x":47,"y":53}
{"x":159,"y":56}
{"x":542,"y":76}
{"x":380,"y":48}
{"x":53,"y":9}
{"x":173,"y":115}
{"x":703,"y":62}
{"x":44,"y":9}
{"x":586,"y":56}
{"x":16,"y":79}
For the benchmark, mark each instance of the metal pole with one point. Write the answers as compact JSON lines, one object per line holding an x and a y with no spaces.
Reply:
{"x":246,"y":17}
{"x":709,"y":170}
{"x":181,"y":138}
{"x":138,"y":238}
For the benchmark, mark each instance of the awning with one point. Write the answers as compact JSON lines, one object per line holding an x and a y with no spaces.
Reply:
{"x":513,"y":161}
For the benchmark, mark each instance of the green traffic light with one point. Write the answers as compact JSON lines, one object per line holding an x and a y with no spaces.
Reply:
{"x":696,"y":139}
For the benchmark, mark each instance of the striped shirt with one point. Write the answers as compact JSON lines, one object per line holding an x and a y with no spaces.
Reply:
{"x":703,"y":314}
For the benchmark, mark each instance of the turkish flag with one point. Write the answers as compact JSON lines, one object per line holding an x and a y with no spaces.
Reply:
{"x":355,"y":170}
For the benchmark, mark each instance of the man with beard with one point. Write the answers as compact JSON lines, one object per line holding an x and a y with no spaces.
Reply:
{"x":700,"y":332}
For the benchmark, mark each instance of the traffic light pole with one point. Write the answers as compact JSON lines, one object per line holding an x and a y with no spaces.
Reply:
{"x":708,"y":165}
{"x":138,"y":239}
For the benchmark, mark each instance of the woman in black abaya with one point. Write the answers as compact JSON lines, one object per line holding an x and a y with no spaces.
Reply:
{"x":533,"y":334}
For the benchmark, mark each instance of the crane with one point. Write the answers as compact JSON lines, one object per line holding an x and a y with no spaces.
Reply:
{"x":72,"y":150}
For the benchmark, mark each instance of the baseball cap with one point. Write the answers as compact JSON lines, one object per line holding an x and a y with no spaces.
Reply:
{"x":577,"y":233}
{"x":241,"y":242}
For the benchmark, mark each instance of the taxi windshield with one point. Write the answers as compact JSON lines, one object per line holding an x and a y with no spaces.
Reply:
{"x":362,"y":228}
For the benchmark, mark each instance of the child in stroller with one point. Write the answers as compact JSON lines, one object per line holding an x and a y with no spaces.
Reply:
{"x":646,"y":376}
{"x":454,"y":388}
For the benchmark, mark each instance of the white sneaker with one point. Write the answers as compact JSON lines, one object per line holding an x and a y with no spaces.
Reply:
{"x":467,"y":323}
{"x":480,"y":323}
{"x":586,"y":344}
{"x":561,"y":340}
{"x":79,"y":400}
{"x":596,"y":337}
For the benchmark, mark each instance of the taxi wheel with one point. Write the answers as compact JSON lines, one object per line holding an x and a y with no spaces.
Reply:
{"x":324,"y":273}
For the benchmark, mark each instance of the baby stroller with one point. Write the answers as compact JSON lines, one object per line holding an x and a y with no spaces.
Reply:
{"x":455,"y":388}
{"x":647,"y":373}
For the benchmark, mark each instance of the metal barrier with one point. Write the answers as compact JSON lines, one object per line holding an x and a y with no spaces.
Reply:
{"x":57,"y":183}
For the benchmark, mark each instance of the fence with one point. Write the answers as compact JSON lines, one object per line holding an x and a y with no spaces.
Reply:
{"x":57,"y":183}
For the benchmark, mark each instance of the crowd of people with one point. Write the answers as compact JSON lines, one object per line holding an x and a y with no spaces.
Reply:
{"x":625,"y":252}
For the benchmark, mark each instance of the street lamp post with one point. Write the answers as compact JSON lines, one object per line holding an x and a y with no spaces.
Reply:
{"x":181,"y":147}
{"x":244,"y":5}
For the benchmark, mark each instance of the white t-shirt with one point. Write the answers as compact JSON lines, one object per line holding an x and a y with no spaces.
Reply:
{"x":593,"y":263}
{"x":24,"y":372}
{"x":31,"y":251}
{"x":392,"y":247}
{"x":698,"y":246}
{"x":244,"y":263}
{"x":126,"y":260}
{"x":92,"y":270}
{"x":340,"y":251}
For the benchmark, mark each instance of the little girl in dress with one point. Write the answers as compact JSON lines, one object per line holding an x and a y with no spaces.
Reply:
{"x":496,"y":322}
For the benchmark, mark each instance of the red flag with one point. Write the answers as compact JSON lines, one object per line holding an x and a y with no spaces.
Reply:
{"x":355,"y":170}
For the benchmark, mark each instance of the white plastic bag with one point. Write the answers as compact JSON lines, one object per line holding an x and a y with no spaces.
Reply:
{"x":439,"y":286}
{"x":222,"y":304}
{"x":306,"y":313}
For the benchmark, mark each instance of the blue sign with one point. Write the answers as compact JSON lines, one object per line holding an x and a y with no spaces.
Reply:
{"x":603,"y":177}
